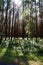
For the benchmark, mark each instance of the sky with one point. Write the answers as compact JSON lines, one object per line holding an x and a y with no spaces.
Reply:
{"x":17,"y":2}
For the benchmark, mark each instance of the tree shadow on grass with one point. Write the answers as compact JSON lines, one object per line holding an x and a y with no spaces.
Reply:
{"x":11,"y":58}
{"x":14,"y":59}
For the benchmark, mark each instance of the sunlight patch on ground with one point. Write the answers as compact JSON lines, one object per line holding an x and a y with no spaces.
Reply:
{"x":35,"y":63}
{"x":19,"y":53}
{"x":3,"y":52}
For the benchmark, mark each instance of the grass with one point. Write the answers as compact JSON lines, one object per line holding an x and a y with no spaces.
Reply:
{"x":13,"y":55}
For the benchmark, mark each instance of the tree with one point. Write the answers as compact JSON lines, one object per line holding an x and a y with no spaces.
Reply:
{"x":31,"y":10}
{"x":1,"y":18}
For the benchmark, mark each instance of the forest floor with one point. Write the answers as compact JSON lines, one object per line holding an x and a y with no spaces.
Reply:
{"x":10,"y":56}
{"x":11,"y":52}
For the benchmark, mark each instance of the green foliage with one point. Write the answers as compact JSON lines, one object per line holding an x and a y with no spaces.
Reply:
{"x":3,"y":44}
{"x":30,"y":26}
{"x":27,"y":49}
{"x":16,"y":44}
{"x":25,"y":45}
{"x":10,"y":45}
